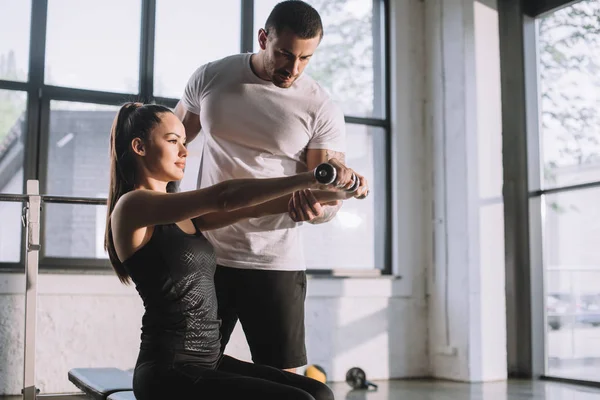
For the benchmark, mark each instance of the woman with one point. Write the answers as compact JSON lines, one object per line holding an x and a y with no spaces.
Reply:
{"x":154,"y":239}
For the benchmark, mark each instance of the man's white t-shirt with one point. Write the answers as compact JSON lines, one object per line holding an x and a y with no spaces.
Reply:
{"x":254,"y":129}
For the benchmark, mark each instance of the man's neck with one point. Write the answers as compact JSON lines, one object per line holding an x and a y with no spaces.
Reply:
{"x":258,"y":67}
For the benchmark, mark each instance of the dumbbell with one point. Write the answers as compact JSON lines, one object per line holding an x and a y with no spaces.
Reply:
{"x":357,"y":379}
{"x":326,"y":173}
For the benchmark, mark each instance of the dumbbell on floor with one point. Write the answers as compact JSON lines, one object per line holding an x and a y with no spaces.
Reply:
{"x":357,"y":379}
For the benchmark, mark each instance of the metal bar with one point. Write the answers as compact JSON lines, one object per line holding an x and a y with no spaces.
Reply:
{"x":582,"y":186}
{"x":524,"y":283}
{"x":165,"y":101}
{"x":14,"y":85}
{"x":582,"y":382}
{"x":537,"y":8}
{"x":387,"y":65}
{"x":87,"y":96}
{"x":247,"y":26}
{"x":31,"y":274}
{"x":67,"y":264}
{"x":515,"y":190}
{"x":147,"y":38}
{"x":379,"y":59}
{"x":73,"y":200}
{"x":13,"y":197}
{"x":384,"y":123}
{"x":54,"y":199}
{"x":37,"y":65}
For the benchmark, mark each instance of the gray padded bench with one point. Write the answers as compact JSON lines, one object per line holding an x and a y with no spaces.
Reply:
{"x":103,"y":383}
{"x":122,"y":396}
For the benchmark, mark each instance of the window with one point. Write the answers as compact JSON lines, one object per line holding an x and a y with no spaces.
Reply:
{"x":71,"y":230}
{"x":569,"y":61}
{"x":349,"y":241}
{"x":99,"y":55}
{"x":572,"y":265}
{"x":14,"y":46}
{"x":12,"y":149}
{"x":78,"y":143}
{"x":93,"y":45}
{"x":189,"y":34}
{"x":569,"y":65}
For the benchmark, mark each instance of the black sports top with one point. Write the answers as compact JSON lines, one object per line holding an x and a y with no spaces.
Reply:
{"x":173,"y":274}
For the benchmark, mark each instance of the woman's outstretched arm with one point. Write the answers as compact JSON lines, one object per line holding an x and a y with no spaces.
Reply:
{"x":141,"y":208}
{"x":217,"y":220}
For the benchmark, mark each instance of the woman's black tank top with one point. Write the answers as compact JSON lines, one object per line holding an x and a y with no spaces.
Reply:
{"x":173,"y":274}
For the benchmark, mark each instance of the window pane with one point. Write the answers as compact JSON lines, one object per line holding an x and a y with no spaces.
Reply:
{"x":346,"y":60}
{"x":74,"y":231}
{"x":94,"y":45}
{"x":354,"y":238}
{"x":189,"y":34}
{"x":569,"y":42}
{"x":12,"y":151}
{"x":13,"y":119}
{"x":78,"y":147}
{"x":10,"y":231}
{"x":572,"y":270}
{"x":15,"y":23}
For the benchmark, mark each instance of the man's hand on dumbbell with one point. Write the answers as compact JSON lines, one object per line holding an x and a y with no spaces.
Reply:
{"x":335,"y":176}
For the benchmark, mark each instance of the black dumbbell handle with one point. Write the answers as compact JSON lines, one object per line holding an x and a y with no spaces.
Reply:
{"x":325,"y":173}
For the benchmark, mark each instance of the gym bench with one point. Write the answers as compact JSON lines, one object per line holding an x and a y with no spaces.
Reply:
{"x":103,"y":383}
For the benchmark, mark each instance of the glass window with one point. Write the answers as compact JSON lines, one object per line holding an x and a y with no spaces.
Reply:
{"x":74,"y":231}
{"x":12,"y":151}
{"x":345,"y":61}
{"x":78,"y":148}
{"x":359,"y":223}
{"x":572,"y":270}
{"x":189,"y":34}
{"x":94,"y":45}
{"x":15,"y":24}
{"x":569,"y":66}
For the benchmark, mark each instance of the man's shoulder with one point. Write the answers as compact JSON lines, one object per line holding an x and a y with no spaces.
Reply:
{"x":313,"y":87}
{"x":320,"y":98}
{"x":232,"y":61}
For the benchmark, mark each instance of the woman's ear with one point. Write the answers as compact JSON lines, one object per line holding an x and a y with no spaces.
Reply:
{"x":137,"y":145}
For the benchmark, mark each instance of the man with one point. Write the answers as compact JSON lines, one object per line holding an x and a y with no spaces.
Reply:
{"x":262,"y":118}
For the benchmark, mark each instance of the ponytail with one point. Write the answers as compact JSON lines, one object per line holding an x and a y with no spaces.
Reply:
{"x":133,"y":120}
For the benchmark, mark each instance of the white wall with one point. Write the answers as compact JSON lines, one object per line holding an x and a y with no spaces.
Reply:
{"x":466,"y":301}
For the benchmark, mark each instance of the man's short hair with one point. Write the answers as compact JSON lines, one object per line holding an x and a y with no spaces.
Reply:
{"x":299,"y":17}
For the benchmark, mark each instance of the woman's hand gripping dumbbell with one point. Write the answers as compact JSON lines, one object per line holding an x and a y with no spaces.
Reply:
{"x":333,"y":183}
{"x":333,"y":175}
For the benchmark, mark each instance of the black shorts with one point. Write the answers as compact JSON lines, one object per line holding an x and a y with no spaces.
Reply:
{"x":270,"y":307}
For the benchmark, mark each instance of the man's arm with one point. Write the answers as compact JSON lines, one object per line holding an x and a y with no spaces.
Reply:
{"x":321,"y":214}
{"x":191,"y":121}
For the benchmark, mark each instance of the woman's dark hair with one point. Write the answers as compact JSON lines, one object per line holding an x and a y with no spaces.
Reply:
{"x":299,"y":17}
{"x":134,"y":120}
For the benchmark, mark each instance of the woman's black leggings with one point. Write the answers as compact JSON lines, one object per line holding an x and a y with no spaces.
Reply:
{"x":233,"y":379}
